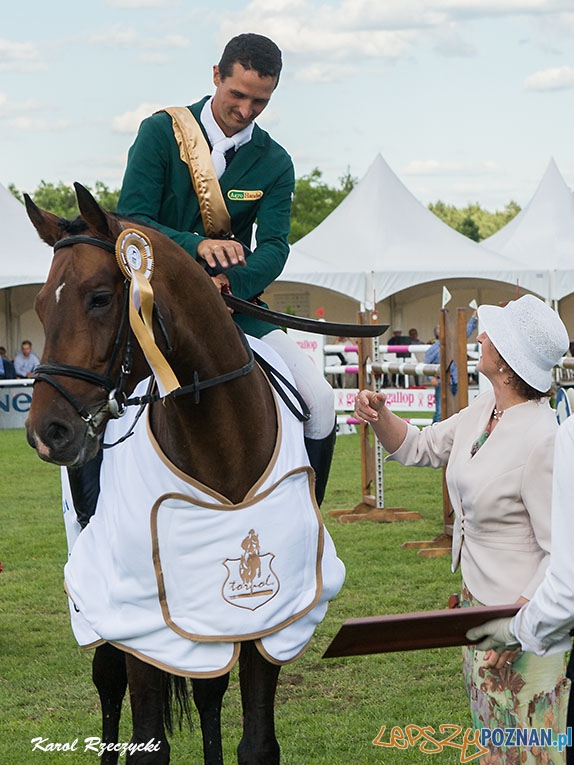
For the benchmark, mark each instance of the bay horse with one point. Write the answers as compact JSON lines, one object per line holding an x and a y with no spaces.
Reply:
{"x":222,"y":433}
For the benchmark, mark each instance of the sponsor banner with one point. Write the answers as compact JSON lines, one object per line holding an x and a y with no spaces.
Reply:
{"x":15,"y":400}
{"x":398,"y":399}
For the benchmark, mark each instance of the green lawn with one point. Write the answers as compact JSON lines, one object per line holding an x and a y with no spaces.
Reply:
{"x":328,"y":711}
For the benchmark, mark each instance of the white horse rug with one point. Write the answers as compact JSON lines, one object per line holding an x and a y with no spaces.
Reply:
{"x":175,"y":573}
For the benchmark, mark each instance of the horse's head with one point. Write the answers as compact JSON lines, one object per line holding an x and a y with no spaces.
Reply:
{"x":82,"y":308}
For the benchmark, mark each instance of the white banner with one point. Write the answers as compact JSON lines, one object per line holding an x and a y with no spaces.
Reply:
{"x":398,"y":399}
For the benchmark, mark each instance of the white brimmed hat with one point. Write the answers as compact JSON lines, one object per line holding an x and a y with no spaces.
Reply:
{"x":529,"y":336}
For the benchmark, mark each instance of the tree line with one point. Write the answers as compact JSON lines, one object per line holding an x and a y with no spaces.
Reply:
{"x":313,"y":201}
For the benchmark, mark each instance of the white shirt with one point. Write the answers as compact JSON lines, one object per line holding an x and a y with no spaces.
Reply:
{"x":543,"y":624}
{"x":219,"y":141}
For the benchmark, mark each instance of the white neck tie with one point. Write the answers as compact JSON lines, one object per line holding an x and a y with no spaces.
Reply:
{"x":219,"y":141}
{"x":218,"y":154}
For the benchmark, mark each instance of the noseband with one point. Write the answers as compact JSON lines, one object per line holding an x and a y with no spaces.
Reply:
{"x":116,"y":403}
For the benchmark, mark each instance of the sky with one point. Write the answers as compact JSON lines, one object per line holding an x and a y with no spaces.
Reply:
{"x":466,"y":100}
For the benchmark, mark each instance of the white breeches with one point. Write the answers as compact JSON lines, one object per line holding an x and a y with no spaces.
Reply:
{"x":311,"y":384}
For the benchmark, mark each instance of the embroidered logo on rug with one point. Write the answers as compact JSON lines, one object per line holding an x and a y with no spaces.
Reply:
{"x":244,"y":196}
{"x":250,"y":581}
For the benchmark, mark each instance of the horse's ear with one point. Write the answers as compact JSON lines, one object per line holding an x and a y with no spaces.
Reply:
{"x":95,"y":216}
{"x":45,"y":223}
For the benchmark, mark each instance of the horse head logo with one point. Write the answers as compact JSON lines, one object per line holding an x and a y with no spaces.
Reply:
{"x":251,"y":581}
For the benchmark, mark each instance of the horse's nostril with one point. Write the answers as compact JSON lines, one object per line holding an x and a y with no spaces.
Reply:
{"x":58,"y":435}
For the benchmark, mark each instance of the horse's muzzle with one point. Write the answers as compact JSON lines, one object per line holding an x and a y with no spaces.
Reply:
{"x":61,"y":443}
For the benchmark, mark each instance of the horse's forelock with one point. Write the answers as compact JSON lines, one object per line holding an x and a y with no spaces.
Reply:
{"x":73,"y":227}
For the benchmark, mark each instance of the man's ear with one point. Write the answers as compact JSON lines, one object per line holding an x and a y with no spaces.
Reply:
{"x":216,"y":76}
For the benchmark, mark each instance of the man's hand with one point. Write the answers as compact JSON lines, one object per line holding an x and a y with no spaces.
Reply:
{"x":496,"y":634}
{"x":222,"y":252}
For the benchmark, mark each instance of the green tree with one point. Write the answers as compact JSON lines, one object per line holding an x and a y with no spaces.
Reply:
{"x":473,"y":221}
{"x":313,"y":200}
{"x":469,"y":228}
{"x":60,"y":198}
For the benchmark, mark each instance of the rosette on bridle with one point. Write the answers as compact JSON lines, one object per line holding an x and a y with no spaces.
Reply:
{"x":134,"y":254}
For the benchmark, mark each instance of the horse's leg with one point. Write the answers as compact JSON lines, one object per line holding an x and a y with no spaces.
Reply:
{"x":147,"y":696}
{"x":208,"y":696}
{"x":110,"y":678}
{"x":258,"y":681}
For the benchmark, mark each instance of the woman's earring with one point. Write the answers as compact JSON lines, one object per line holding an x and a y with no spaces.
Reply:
{"x":501,"y":369}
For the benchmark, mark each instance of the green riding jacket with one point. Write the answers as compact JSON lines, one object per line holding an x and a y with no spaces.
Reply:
{"x":257,"y":187}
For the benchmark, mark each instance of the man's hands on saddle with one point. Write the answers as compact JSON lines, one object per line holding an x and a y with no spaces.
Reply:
{"x":221,"y":252}
{"x":224,"y":253}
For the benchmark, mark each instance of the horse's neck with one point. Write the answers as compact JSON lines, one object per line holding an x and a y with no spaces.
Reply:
{"x":226,"y":440}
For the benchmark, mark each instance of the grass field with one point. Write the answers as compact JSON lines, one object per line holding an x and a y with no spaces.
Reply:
{"x":328,"y":711}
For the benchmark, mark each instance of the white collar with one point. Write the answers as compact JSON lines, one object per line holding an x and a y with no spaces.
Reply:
{"x":216,"y":134}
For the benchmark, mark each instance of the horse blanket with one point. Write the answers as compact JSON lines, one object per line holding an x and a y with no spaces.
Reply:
{"x":176,"y":574}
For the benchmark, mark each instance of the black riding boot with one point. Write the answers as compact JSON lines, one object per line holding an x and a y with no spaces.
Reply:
{"x":320,"y":453}
{"x":85,"y":487}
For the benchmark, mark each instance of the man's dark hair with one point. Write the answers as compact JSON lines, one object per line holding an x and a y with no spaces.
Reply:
{"x":252,"y":52}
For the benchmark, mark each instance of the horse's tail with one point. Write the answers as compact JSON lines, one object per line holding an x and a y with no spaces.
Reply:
{"x":177,"y":703}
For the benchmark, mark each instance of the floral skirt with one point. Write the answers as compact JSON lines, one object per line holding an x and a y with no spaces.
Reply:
{"x":532,"y":693}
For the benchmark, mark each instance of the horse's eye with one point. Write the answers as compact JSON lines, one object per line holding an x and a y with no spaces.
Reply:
{"x":99,"y":300}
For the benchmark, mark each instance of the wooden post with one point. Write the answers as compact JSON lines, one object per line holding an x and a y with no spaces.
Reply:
{"x":368,"y":509}
{"x":452,"y":350}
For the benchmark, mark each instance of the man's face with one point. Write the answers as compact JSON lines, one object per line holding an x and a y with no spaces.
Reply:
{"x":26,"y":349}
{"x":240,"y":98}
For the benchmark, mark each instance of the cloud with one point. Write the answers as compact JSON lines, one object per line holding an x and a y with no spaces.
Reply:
{"x":19,"y":57}
{"x":361,"y":30}
{"x":556,"y":78}
{"x":129,"y":122}
{"x":119,"y":36}
{"x":36,"y":125}
{"x":11,"y":109}
{"x":138,"y":3}
{"x":320,"y":71}
{"x":434,"y":167}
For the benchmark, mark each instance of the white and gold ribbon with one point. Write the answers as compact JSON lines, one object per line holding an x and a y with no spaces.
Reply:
{"x":196,"y":153}
{"x":135,"y":258}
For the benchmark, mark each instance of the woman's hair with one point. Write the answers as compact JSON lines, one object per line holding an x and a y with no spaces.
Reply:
{"x":523,"y":389}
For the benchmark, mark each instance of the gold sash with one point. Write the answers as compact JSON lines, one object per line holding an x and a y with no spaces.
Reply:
{"x":195,"y":152}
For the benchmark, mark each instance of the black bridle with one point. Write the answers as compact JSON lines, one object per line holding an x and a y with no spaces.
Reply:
{"x":116,"y":403}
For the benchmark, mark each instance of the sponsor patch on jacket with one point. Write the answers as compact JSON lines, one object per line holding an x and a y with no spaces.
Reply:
{"x":239,"y":195}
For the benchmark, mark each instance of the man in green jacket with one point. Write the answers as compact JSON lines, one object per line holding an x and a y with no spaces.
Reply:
{"x":257,"y":183}
{"x":257,"y":180}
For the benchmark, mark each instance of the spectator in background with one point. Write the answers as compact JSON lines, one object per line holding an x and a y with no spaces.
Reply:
{"x":25,"y":361}
{"x":7,"y":371}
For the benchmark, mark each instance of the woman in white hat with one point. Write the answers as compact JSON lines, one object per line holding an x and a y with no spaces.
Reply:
{"x":498,"y":452}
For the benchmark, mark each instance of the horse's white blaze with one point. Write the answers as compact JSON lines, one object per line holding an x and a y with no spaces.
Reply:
{"x":59,"y":291}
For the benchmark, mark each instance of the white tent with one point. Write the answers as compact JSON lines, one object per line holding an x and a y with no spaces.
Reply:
{"x":24,"y":264}
{"x":541,"y":236}
{"x":381,"y":240}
